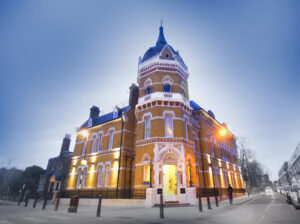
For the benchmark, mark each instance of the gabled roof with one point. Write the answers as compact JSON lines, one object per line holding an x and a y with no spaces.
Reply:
{"x":106,"y":117}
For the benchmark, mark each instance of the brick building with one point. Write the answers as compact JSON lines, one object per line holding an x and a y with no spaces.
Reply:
{"x":56,"y":175}
{"x":161,"y":142}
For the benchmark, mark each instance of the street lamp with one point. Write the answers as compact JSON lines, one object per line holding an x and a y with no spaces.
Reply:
{"x":151,"y":163}
{"x":191,"y":182}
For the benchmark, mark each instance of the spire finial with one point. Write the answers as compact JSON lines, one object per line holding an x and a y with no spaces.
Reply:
{"x":161,"y":22}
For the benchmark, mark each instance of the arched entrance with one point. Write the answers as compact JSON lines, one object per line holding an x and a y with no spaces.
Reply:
{"x":170,"y":178}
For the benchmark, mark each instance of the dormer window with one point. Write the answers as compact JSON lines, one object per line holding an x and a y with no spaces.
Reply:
{"x":148,"y":90}
{"x":167,"y":88}
{"x":167,"y":55}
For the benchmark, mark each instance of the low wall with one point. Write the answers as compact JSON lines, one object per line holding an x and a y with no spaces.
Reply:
{"x":106,"y":202}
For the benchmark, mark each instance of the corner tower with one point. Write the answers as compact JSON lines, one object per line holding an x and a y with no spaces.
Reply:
{"x":164,"y":136}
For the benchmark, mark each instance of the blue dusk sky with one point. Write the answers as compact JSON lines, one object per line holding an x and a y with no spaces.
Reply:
{"x":58,"y":58}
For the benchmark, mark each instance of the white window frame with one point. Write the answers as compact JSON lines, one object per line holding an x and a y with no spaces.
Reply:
{"x":94,"y":145}
{"x":85,"y":140}
{"x":111,"y":138}
{"x":147,"y":127}
{"x":171,"y":125}
{"x":100,"y":170}
{"x":107,"y":173}
{"x":100,"y":138}
{"x":186,"y":128}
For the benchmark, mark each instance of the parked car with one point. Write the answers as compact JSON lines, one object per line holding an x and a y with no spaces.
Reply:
{"x":268,"y":191}
{"x":294,"y":196}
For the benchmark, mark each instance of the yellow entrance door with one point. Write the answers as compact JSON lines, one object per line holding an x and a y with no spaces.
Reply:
{"x":170,"y":181}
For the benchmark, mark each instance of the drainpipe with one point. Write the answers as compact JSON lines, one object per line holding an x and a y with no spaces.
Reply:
{"x":121,"y":142}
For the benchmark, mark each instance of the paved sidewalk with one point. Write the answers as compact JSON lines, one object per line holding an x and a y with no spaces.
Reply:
{"x":116,"y":214}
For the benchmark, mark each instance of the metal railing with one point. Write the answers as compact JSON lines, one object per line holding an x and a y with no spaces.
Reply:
{"x":106,"y":194}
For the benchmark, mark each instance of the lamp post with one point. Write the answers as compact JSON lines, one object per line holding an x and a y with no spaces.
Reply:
{"x":151,"y":163}
{"x":191,"y":182}
{"x":83,"y":162}
{"x":222,"y":132}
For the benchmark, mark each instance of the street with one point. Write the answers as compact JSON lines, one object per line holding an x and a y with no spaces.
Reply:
{"x":256,"y":209}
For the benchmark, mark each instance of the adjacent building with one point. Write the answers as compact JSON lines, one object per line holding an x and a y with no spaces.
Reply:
{"x":57,"y":172}
{"x":160,"y":143}
{"x":289,"y":173}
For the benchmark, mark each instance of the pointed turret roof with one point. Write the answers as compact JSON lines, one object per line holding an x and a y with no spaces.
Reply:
{"x":161,"y":38}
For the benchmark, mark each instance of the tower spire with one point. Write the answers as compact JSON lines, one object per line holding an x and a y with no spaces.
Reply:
{"x":161,"y":38}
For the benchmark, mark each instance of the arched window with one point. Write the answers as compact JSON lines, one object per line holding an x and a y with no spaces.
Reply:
{"x":94,"y":145}
{"x":147,"y":127}
{"x":78,"y":178}
{"x":147,"y":86}
{"x":167,"y":88}
{"x":99,"y":142}
{"x":84,"y":178}
{"x":111,"y":139}
{"x":100,"y":180}
{"x":107,"y":174}
{"x":186,"y":129}
{"x":148,"y":90}
{"x":168,"y":125}
{"x":194,"y":141}
{"x":146,"y":168}
{"x":84,"y":146}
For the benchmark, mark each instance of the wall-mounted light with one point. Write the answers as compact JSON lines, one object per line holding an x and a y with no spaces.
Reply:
{"x":83,"y":162}
{"x":117,"y":155}
{"x":208,"y":159}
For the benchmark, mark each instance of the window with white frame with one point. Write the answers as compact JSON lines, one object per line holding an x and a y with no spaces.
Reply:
{"x":99,"y":142}
{"x":84,"y":146}
{"x":94,"y":145}
{"x":100,"y":180}
{"x":83,"y":184}
{"x":147,"y":127}
{"x":186,"y":129}
{"x":107,"y":174}
{"x":146,"y":169}
{"x":111,"y":139}
{"x":168,"y":125}
{"x":78,"y":177}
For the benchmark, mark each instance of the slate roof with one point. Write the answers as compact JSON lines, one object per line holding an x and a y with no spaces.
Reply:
{"x":160,"y":44}
{"x":106,"y":117}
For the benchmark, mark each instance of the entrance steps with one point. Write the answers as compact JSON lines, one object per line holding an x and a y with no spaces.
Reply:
{"x":174,"y":204}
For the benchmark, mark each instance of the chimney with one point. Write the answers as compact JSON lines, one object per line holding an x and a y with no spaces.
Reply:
{"x":133,"y":95}
{"x":65,"y":145}
{"x":94,"y":112}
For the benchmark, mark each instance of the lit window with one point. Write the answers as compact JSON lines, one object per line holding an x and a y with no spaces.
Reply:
{"x":111,"y":139}
{"x":168,"y":126}
{"x":148,"y":90}
{"x":147,"y":127}
{"x":146,"y":175}
{"x":167,"y":88}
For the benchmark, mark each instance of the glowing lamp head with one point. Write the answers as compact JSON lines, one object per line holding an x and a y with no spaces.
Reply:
{"x":84,"y":133}
{"x":83,"y":162}
{"x":222,"y":132}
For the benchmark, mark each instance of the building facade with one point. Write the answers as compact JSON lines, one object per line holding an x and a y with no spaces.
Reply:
{"x":57,"y":172}
{"x":161,"y":143}
{"x":289,"y":173}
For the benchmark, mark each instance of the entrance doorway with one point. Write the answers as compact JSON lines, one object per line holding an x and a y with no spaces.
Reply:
{"x":170,"y":182}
